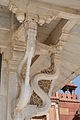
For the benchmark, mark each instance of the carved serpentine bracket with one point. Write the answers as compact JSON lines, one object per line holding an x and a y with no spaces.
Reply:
{"x":30,"y":26}
{"x":29,"y":22}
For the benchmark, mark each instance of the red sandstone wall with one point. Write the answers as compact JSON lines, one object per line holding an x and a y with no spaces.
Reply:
{"x":67,"y":110}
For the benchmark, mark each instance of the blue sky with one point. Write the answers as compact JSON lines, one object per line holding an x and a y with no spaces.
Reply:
{"x":76,"y":82}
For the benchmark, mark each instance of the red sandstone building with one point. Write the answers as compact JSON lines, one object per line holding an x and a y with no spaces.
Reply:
{"x":65,"y":106}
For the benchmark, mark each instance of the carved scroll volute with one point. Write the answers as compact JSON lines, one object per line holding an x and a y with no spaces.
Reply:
{"x":19,"y":8}
{"x":45,"y":19}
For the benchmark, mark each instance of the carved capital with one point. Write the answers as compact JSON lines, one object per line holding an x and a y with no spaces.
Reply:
{"x":19,"y":8}
{"x":23,"y":12}
{"x":46,"y":19}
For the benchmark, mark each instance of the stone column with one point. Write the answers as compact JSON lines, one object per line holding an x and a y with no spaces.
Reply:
{"x":47,"y":116}
{"x":3,"y":90}
{"x":12,"y":91}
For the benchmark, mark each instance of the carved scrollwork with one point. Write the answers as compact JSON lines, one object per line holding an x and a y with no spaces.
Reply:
{"x":18,"y":8}
{"x":45,"y":19}
{"x":50,"y":70}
